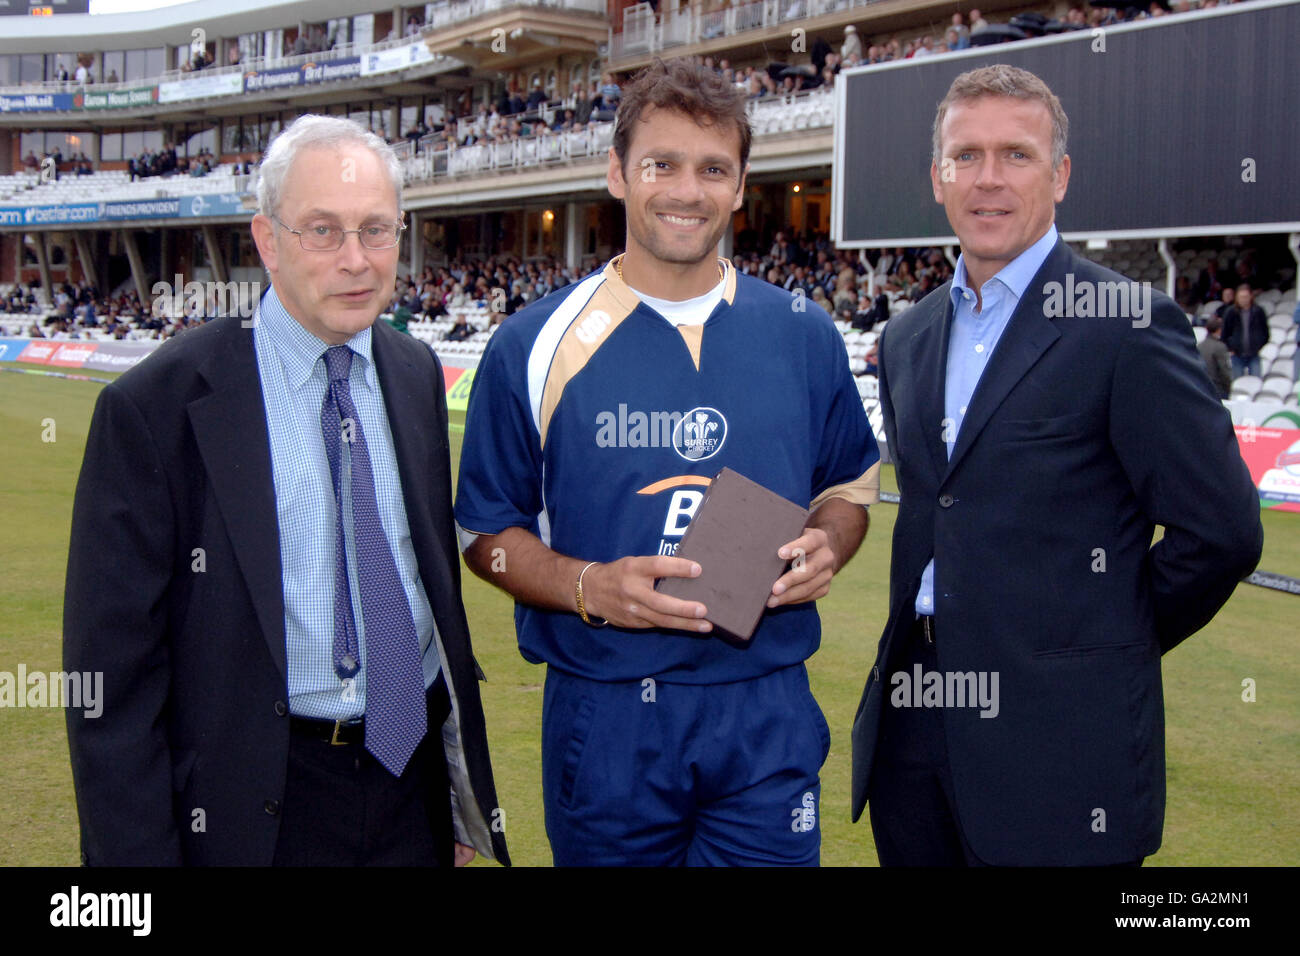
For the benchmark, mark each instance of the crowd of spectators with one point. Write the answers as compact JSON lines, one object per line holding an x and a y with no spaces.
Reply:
{"x":964,"y":30}
{"x":79,"y":307}
{"x":807,"y":265}
{"x":78,"y":164}
{"x":860,"y":287}
{"x":516,"y":116}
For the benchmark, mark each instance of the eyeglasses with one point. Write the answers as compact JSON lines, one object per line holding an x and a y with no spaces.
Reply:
{"x":323,"y":238}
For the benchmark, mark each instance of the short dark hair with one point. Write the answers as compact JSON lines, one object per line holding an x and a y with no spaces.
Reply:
{"x":1213,"y":324}
{"x":1000,"y":79}
{"x":684,"y":87}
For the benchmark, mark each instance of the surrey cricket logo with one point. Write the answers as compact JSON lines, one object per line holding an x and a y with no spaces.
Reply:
{"x":700,"y":434}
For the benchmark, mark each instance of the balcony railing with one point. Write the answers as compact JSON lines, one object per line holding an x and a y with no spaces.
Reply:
{"x":434,"y":160}
{"x":443,"y":14}
{"x":644,"y":32}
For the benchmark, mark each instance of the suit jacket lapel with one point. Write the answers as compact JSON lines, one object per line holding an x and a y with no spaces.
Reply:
{"x":1027,"y":336}
{"x":230,"y":428}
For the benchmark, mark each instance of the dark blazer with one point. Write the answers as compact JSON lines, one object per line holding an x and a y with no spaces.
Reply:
{"x":192,"y":644}
{"x":1082,"y":435}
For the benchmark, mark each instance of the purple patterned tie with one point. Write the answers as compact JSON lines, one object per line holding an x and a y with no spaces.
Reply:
{"x":395,"y":709}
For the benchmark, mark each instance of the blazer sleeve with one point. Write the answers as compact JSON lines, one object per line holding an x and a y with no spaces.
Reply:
{"x":115,"y":622}
{"x":1176,"y":444}
{"x":886,"y":403}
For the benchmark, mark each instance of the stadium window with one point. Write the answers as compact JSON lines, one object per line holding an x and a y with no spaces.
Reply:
{"x":9,"y":66}
{"x":135,"y":65}
{"x":363,"y":29}
{"x":198,"y":138}
{"x":270,"y":126}
{"x":31,"y":142}
{"x":31,"y":68}
{"x":250,"y":46}
{"x":114,"y":63}
{"x":110,"y":146}
{"x":273,"y":44}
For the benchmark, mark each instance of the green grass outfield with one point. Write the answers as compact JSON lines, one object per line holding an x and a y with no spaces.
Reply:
{"x":1233,"y":775}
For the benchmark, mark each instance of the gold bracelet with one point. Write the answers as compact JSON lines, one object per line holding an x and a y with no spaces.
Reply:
{"x":582,"y":607}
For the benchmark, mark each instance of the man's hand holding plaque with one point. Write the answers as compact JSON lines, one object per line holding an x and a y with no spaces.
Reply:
{"x":737,"y":538}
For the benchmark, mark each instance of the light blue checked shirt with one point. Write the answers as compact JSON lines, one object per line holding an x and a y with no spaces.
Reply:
{"x":973,"y":338}
{"x":290,"y":364}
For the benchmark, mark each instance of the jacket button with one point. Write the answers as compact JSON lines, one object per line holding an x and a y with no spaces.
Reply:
{"x":281,"y":708}
{"x":945,"y":501}
{"x":272,"y":807}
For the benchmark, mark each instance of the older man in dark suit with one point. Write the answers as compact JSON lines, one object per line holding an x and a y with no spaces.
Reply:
{"x":288,"y":675}
{"x":1044,"y":415}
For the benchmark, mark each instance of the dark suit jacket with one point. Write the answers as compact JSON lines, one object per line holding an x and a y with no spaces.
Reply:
{"x":1082,"y":435}
{"x":193,"y":654}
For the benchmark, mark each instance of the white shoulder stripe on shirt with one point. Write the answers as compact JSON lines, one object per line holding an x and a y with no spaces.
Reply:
{"x":548,"y":341}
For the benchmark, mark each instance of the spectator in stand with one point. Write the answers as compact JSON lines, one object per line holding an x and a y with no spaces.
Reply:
{"x":459,"y":330}
{"x":1246,"y":272}
{"x":977,"y":22}
{"x":1215,"y":355}
{"x":233,"y":56}
{"x":610,"y":90}
{"x":605,"y":108}
{"x":924,"y":48}
{"x":852,"y":44}
{"x":1245,"y":332}
{"x":83,"y":73}
{"x":1209,"y":284}
{"x":537,"y":98}
{"x":902,"y":280}
{"x":31,"y":162}
{"x":413,"y":26}
{"x":961,"y":33}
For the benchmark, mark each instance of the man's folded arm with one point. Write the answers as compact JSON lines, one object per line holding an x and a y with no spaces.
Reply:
{"x":1178,"y":448}
{"x":120,"y":563}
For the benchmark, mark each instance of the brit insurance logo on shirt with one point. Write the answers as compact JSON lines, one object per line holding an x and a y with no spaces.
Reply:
{"x":700,"y":434}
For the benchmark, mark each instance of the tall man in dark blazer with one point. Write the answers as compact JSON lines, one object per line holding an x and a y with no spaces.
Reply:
{"x":1044,"y":415}
{"x":263,"y":565}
